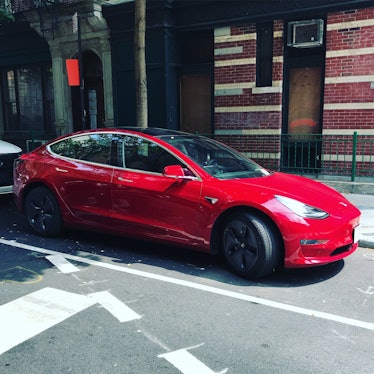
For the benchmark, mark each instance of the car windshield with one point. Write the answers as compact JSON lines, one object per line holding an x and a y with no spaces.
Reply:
{"x":215,"y":158}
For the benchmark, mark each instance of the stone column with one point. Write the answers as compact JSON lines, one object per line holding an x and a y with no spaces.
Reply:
{"x":63,"y":116}
{"x":106,"y":59}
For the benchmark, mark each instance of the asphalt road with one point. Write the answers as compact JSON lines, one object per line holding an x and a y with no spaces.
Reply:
{"x":91,"y":303}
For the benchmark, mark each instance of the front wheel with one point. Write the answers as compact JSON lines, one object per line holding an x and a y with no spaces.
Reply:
{"x":250,"y":246}
{"x":43,"y":212}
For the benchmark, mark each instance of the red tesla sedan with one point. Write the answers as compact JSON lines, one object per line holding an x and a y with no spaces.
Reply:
{"x":185,"y":190}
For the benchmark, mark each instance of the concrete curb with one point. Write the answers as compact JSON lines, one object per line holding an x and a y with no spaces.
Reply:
{"x":366,"y":244}
{"x":366,"y":205}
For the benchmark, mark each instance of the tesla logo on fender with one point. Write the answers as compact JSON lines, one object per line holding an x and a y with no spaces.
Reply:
{"x":212,"y":200}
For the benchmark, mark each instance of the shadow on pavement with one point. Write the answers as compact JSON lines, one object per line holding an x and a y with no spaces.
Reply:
{"x":197,"y":264}
{"x":120,"y":250}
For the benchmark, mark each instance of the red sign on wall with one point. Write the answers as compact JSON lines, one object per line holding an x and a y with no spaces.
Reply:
{"x":72,"y":68}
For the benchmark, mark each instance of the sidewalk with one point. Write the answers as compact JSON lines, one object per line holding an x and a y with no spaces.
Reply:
{"x":366,"y":204}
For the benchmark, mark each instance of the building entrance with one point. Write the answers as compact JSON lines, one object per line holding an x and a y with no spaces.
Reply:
{"x":196,"y":102}
{"x":302,"y":117}
{"x":93,"y":98}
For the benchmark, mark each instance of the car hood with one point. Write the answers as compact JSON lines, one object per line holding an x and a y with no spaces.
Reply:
{"x":7,"y":148}
{"x":300,"y":188}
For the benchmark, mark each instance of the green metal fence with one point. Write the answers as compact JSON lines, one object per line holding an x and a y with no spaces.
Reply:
{"x":331,"y":155}
{"x":27,"y":140}
{"x":350,"y":156}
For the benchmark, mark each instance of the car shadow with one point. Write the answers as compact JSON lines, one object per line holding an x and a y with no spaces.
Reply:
{"x":140,"y":254}
{"x":24,"y":266}
{"x":202,"y":265}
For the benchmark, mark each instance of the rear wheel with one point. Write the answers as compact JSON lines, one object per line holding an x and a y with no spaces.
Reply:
{"x":250,"y":246}
{"x":43,"y":212}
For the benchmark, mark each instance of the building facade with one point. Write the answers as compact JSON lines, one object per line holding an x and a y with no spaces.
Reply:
{"x":315,"y":88}
{"x":37,"y":102}
{"x":283,"y":74}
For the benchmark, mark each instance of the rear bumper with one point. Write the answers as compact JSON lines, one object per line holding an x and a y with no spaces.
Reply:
{"x":6,"y":190}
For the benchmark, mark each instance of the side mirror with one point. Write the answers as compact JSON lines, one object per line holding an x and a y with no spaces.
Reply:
{"x":177,"y":172}
{"x":173,"y":171}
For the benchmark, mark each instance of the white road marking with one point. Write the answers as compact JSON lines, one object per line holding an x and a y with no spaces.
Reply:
{"x":187,"y":363}
{"x":201,"y":287}
{"x":34,"y":313}
{"x":62,"y":264}
{"x":119,"y":310}
{"x":154,"y":339}
{"x":369,"y":291}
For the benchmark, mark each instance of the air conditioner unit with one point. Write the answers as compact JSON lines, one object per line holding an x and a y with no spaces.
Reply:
{"x":305,"y":34}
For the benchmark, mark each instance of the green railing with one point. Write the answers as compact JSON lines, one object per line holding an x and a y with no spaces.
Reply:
{"x":349,"y":156}
{"x":27,"y":140}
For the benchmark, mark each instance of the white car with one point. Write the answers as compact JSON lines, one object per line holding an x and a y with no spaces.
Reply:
{"x":8,"y":153}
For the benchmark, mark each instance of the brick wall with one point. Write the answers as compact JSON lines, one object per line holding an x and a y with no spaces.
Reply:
{"x":241,"y":108}
{"x":349,"y":76}
{"x":349,"y":73}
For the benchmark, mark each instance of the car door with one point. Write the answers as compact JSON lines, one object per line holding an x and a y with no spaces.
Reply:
{"x":147,"y":203}
{"x":82,"y":177}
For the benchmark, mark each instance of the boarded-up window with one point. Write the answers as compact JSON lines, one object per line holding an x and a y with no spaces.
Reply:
{"x":304,"y":101}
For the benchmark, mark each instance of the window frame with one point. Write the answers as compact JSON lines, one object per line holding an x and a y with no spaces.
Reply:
{"x":143,"y":155}
{"x":12,"y":116}
{"x":264,"y":54}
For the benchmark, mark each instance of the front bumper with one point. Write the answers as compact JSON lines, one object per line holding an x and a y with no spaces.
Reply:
{"x":333,"y":241}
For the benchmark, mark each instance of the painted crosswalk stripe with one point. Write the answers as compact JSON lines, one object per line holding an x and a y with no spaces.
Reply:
{"x":118,"y":309}
{"x":187,"y":363}
{"x":32,"y":314}
{"x":62,"y":264}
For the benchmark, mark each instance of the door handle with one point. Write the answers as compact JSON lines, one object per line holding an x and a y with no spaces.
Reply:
{"x":121,"y":179}
{"x":61,"y":170}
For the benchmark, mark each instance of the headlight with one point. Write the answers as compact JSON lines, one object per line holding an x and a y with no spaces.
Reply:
{"x":301,"y":209}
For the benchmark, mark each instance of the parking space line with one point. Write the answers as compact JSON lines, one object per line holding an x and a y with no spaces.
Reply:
{"x":187,"y":363}
{"x":23,"y":318}
{"x":62,"y":264}
{"x":118,"y":309}
{"x":201,"y":287}
{"x":34,"y":313}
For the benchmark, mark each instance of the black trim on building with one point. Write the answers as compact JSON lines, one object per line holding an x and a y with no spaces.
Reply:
{"x":21,"y":45}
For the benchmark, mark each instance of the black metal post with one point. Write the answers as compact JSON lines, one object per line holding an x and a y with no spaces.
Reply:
{"x":81,"y":83}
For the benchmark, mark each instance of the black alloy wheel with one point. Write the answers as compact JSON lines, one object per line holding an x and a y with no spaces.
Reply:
{"x":43,"y":212}
{"x":250,"y":246}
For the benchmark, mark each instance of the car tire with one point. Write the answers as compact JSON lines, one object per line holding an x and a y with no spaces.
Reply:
{"x":43,"y":212}
{"x":250,"y":245}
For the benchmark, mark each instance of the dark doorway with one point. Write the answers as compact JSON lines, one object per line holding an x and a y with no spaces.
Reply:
{"x":196,"y":81}
{"x":93,"y":95}
{"x":196,"y":101}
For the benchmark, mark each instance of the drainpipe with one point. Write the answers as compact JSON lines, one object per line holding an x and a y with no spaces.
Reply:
{"x":354,"y":150}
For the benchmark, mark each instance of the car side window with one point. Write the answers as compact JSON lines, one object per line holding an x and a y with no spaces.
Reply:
{"x":141,"y":154}
{"x":92,"y":147}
